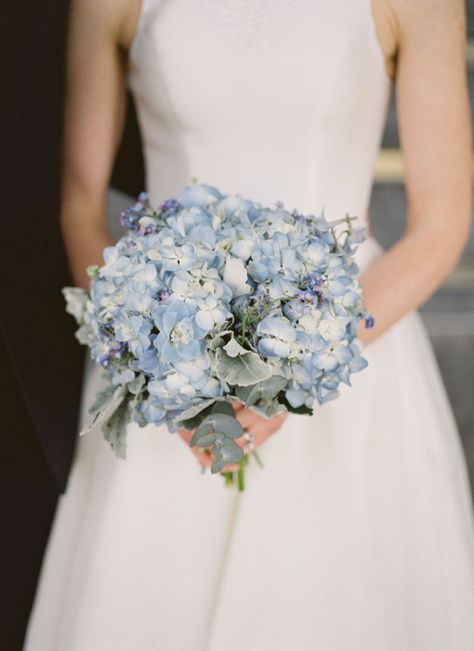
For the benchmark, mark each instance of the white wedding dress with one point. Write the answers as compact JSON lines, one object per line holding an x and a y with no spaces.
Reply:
{"x":358,"y":534}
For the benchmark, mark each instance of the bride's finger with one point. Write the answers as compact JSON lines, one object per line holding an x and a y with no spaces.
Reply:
{"x":247,"y":418}
{"x":261,"y":429}
{"x":204,"y":458}
{"x":257,"y":436}
{"x":237,"y":405}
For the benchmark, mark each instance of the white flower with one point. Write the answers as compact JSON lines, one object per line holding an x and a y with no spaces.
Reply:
{"x":333,"y":329}
{"x":235,"y":275}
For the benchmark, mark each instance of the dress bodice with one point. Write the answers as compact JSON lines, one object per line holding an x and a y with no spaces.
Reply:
{"x":273,"y":99}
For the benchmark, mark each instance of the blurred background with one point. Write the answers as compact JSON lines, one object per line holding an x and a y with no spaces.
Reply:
{"x":448,"y":315}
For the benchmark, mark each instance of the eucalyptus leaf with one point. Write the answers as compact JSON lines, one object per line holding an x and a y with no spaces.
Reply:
{"x":223,"y":423}
{"x":227,"y":454}
{"x":232,"y":453}
{"x":248,"y":395}
{"x":269,"y":408}
{"x":223,"y":407}
{"x":203,"y":440}
{"x":227,"y":424}
{"x":191,"y":423}
{"x":243,"y":370}
{"x":217,"y":465}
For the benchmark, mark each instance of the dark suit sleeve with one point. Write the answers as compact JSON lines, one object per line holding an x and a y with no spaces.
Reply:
{"x":37,"y":332}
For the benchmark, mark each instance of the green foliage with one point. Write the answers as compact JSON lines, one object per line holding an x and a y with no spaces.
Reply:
{"x":233,"y":348}
{"x":115,"y":428}
{"x":242,"y":370}
{"x":106,"y":403}
{"x":218,"y":431}
{"x":226,"y":453}
{"x":265,"y":390}
{"x":92,"y":270}
{"x":189,"y":414}
{"x":217,"y":424}
{"x":269,"y":408}
{"x":223,"y":407}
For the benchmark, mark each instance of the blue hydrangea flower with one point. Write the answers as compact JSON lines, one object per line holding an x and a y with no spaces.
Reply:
{"x":205,"y":267}
{"x":179,"y":336}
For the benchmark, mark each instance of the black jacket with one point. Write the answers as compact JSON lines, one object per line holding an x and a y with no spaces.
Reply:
{"x":34,"y":328}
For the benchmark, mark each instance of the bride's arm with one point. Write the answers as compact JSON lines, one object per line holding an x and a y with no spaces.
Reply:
{"x":435,"y":138}
{"x":94,"y":112}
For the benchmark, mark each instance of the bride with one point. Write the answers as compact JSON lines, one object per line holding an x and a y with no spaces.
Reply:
{"x":358,"y":534}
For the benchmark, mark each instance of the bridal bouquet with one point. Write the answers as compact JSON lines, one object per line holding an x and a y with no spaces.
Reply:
{"x":213,"y":298}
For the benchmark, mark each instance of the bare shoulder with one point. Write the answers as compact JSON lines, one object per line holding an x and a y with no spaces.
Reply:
{"x":398,"y":22}
{"x":106,"y":20}
{"x":409,"y":12}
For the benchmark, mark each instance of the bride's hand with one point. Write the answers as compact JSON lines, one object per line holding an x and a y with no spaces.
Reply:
{"x":261,"y":428}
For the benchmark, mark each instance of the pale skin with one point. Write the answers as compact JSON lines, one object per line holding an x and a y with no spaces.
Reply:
{"x":423,"y":43}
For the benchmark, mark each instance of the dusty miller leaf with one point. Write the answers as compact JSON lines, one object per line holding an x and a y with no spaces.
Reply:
{"x":265,"y":390}
{"x":243,"y":370}
{"x":136,"y":385}
{"x":194,"y":410}
{"x":115,"y":428}
{"x":233,"y":348}
{"x":106,"y":403}
{"x":102,"y":398}
{"x":76,"y":299}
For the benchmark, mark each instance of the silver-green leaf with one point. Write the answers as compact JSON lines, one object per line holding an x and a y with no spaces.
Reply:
{"x":227,"y":454}
{"x":233,"y":348}
{"x":115,"y":428}
{"x":194,"y":410}
{"x":243,"y":370}
{"x":105,"y":405}
{"x":218,"y":422}
{"x":265,"y":390}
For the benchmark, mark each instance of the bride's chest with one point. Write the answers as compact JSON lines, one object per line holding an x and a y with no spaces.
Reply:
{"x":194,"y":60}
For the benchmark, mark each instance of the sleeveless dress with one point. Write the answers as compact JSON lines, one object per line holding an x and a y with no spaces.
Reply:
{"x":358,"y":533}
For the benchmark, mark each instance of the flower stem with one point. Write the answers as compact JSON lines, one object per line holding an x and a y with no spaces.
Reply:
{"x":238,"y":477}
{"x":229,"y":478}
{"x":240,"y":474}
{"x":257,"y":458}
